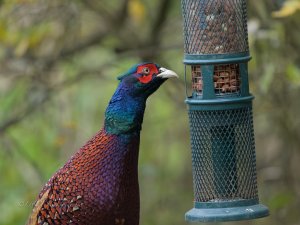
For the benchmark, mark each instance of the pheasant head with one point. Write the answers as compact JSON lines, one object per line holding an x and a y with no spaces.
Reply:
{"x":125,"y":111}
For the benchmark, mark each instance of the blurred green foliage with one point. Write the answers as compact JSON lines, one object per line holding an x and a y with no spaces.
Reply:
{"x":58,"y":66}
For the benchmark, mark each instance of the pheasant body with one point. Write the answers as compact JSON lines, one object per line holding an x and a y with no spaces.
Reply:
{"x":98,"y":178}
{"x":99,"y":184}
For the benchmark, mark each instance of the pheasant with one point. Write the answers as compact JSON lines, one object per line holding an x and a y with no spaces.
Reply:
{"x":99,"y":184}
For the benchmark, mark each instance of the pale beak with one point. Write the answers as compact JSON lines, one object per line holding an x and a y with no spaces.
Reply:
{"x":165,"y":73}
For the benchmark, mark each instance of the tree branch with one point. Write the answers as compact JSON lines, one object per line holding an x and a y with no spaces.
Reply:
{"x":156,"y":28}
{"x":32,"y":107}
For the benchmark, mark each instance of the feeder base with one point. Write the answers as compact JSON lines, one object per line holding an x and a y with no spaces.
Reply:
{"x":227,"y":214}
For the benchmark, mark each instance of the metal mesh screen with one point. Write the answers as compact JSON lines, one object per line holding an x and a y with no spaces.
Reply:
{"x":223,"y":155}
{"x":226,"y":78}
{"x":215,"y":26}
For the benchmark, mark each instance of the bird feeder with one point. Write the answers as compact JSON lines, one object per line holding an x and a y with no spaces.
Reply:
{"x":220,"y":111}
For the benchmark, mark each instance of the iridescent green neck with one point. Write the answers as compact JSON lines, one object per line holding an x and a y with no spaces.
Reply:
{"x":124,"y":114}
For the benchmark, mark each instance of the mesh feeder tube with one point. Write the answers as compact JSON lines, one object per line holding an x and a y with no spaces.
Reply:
{"x":220,"y":111}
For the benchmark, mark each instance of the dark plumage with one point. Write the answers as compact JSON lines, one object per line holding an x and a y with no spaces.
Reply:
{"x":99,"y":184}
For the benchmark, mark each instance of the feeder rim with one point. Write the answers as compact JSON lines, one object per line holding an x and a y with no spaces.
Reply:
{"x":226,"y":203}
{"x":219,"y":103}
{"x":227,"y":214}
{"x":196,"y":101}
{"x":204,"y":59}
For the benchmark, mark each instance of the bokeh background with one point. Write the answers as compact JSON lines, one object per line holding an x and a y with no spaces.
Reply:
{"x":59,"y":60}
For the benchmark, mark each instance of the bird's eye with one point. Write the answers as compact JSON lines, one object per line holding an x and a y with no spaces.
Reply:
{"x":146,"y":71}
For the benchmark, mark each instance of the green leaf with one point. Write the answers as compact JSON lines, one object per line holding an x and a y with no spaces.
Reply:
{"x":293,"y":74}
{"x":267,"y":78}
{"x":281,"y":200}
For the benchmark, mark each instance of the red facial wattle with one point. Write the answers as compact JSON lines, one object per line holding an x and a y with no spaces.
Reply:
{"x":146,"y":78}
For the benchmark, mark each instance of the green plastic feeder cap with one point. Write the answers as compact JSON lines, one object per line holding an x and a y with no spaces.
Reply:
{"x":220,"y":112}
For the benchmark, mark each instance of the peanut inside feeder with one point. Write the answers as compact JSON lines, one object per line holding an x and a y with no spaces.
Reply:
{"x":226,"y":79}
